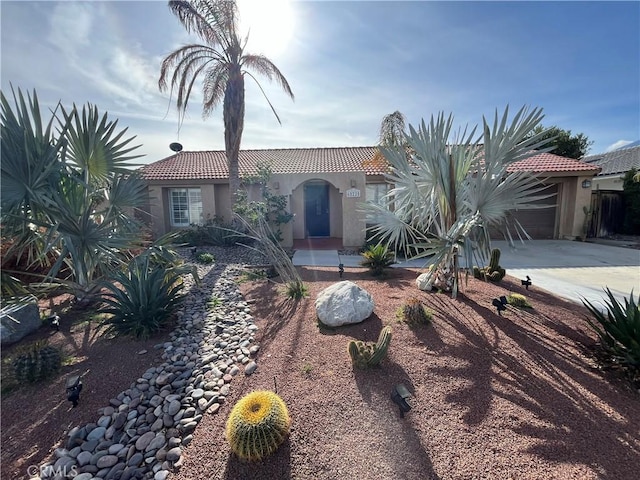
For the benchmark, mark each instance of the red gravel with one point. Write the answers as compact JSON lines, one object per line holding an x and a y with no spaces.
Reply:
{"x":510,"y":397}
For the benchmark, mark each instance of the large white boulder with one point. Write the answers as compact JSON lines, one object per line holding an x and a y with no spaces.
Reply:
{"x":343,"y":303}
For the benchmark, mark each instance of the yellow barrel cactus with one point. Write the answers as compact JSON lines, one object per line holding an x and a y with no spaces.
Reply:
{"x":257,"y":425}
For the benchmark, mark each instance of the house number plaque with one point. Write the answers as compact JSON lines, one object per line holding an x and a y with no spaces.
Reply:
{"x":353,"y":193}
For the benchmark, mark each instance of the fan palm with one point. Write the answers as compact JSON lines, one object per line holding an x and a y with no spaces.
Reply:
{"x":453,"y":188}
{"x":223,"y":64}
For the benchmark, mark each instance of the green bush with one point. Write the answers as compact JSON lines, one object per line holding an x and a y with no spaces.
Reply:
{"x":618,"y":329}
{"x":205,"y":258}
{"x":377,"y":258}
{"x":214,"y":233}
{"x":297,"y":290}
{"x":148,"y":296}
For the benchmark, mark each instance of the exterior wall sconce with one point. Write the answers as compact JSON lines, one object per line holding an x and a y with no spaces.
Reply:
{"x":586,"y":184}
{"x":276,"y":185}
{"x":353,"y":183}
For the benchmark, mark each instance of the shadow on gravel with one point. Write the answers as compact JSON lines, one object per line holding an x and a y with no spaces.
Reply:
{"x":515,"y":357}
{"x":275,"y":467}
{"x":375,"y":386}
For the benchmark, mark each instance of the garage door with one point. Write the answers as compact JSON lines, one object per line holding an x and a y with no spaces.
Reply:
{"x":540,"y":223}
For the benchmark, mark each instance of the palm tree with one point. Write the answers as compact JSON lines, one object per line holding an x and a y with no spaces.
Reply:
{"x":393,"y":129}
{"x":223,"y":64}
{"x":452,"y":189}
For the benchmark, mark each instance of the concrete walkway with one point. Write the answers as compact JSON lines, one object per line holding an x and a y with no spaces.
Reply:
{"x":572,"y":270}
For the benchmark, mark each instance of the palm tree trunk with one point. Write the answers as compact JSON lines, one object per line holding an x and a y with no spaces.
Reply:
{"x":233,"y":115}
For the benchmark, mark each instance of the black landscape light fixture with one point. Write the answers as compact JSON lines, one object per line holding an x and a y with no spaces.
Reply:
{"x":526,"y":283}
{"x":194,"y":250}
{"x":54,"y":322}
{"x":341,"y":269}
{"x":399,"y":395}
{"x":500,"y":304}
{"x":74,"y":387}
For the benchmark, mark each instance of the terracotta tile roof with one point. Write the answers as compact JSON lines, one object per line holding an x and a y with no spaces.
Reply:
{"x":209,"y":165}
{"x":548,"y":163}
{"x":213,"y":164}
{"x":618,"y":161}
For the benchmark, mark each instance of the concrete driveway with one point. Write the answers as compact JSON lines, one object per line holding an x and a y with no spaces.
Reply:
{"x":572,"y":270}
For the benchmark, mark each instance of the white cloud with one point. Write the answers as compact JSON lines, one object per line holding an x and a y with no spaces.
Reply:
{"x":618,"y":144}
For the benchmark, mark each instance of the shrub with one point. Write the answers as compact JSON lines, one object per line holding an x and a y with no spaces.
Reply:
{"x":377,"y":258}
{"x":365,"y":354}
{"x":297,"y":290}
{"x":257,"y":425}
{"x":36,"y":362}
{"x":618,"y":329}
{"x":414,"y":313}
{"x":205,"y":258}
{"x":517,"y":300}
{"x":147,"y":299}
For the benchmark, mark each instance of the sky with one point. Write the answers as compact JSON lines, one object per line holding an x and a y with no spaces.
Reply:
{"x":349,"y":63}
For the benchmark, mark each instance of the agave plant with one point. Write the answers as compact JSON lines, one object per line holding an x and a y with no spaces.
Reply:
{"x":451,"y":189}
{"x":618,"y":328}
{"x":146,"y":298}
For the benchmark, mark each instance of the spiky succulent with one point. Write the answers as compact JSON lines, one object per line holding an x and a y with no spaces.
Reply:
{"x":257,"y":425}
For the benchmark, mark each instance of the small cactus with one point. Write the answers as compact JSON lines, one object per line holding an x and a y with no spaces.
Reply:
{"x":414,"y":313}
{"x":517,"y":300}
{"x":365,"y":354}
{"x":36,"y":363}
{"x":494,"y":272}
{"x":257,"y":425}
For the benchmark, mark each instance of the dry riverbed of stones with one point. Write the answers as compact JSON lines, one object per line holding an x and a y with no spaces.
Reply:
{"x":141,"y":432}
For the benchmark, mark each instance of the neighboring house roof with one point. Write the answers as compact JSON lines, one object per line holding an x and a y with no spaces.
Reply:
{"x":207,"y":165}
{"x":548,"y":162}
{"x":616,"y":162}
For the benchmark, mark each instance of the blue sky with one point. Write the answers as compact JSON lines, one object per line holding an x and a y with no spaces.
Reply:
{"x":348,"y":63}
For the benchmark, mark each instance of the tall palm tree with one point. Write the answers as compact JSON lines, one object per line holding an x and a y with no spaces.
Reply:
{"x":222,"y":63}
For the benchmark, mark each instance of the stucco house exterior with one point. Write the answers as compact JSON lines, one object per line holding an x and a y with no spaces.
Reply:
{"x":324,"y":187}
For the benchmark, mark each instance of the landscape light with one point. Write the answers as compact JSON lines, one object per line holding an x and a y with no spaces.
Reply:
{"x":399,"y":395}
{"x":341,"y":269}
{"x":526,"y":282}
{"x":500,"y":304}
{"x":74,"y":387}
{"x":54,"y":322}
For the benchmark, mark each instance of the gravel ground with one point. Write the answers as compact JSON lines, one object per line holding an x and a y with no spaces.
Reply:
{"x":493,"y":397}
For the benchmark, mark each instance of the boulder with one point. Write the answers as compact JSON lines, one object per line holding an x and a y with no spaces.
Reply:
{"x":424,"y":283}
{"x":343,"y":303}
{"x":17,"y":321}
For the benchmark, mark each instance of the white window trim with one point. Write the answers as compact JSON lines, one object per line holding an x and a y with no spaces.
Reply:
{"x":190,"y":206}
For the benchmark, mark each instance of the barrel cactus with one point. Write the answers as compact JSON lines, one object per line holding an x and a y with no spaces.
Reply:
{"x":414,"y":313}
{"x":518,"y":300}
{"x":365,"y":354}
{"x":257,"y":425}
{"x":36,"y":363}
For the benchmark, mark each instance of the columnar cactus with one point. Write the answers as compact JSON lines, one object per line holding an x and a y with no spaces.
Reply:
{"x":257,"y":425}
{"x":365,"y":355}
{"x":494,"y":271}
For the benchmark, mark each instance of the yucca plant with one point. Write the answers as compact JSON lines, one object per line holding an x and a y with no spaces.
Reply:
{"x":377,"y":258}
{"x":451,"y":189}
{"x":147,"y":297}
{"x":618,"y":328}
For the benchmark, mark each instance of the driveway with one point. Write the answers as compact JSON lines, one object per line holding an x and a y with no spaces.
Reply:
{"x":572,"y":270}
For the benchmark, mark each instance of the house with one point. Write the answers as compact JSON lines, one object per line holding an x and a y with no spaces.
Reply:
{"x":324,"y":187}
{"x":607,"y":205}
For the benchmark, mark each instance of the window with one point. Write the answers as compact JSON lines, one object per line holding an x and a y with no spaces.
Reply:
{"x":374,"y":193}
{"x":185,"y":205}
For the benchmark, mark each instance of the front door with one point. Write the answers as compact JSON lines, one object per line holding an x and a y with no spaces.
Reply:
{"x":316,"y":210}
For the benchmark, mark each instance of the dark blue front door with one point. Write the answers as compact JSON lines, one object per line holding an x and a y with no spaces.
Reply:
{"x":316,"y":210}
